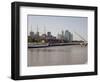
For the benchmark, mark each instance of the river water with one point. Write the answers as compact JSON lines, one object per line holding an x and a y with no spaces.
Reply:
{"x":60,"y":55}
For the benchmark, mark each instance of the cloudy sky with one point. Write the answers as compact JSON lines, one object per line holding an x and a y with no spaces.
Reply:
{"x":55,"y":25}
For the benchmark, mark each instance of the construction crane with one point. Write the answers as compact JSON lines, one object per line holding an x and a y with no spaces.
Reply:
{"x":84,"y":43}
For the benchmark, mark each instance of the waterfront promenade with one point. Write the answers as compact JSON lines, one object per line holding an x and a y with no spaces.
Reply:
{"x":40,"y":45}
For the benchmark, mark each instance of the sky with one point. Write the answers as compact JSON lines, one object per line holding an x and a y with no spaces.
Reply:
{"x":55,"y":25}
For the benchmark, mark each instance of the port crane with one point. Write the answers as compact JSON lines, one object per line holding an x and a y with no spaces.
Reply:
{"x":84,"y":43}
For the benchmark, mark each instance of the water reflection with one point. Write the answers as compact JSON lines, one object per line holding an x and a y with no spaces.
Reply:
{"x":62,"y":55}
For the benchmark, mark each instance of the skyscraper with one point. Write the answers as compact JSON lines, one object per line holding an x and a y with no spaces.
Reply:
{"x":70,"y":36}
{"x":66,"y":37}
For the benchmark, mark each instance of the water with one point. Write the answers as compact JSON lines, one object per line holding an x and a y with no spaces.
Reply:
{"x":60,"y":55}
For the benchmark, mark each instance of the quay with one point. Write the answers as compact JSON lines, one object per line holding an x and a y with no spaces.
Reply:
{"x":32,"y":45}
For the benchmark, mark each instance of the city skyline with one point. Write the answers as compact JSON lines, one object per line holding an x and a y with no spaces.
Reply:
{"x":57,"y":24}
{"x":59,"y":36}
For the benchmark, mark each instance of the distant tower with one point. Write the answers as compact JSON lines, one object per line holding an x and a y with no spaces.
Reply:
{"x":66,"y":37}
{"x":37,"y":31}
{"x":31,"y":33}
{"x":70,"y":36}
{"x":44,"y":29}
{"x":62,"y":34}
{"x":59,"y":36}
{"x":31,"y":28}
{"x":49,"y":34}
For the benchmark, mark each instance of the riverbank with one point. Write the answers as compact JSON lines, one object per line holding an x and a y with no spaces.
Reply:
{"x":32,"y":45}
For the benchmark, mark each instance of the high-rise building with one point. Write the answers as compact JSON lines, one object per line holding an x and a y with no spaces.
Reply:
{"x":66,"y":37}
{"x":32,"y":34}
{"x":70,"y":36}
{"x":37,"y":34}
{"x":62,"y":35}
{"x":49,"y":34}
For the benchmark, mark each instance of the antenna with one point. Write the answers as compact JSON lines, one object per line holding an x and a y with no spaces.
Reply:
{"x":44,"y":29}
{"x":31,"y":28}
{"x":37,"y":28}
